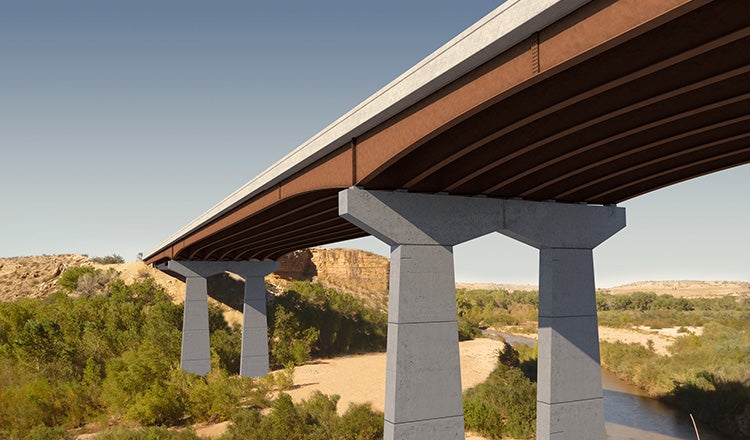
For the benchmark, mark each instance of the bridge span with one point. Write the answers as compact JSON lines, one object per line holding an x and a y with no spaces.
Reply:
{"x":534,"y":122}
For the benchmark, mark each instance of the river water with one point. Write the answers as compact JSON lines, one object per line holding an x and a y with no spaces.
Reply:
{"x":630,"y":414}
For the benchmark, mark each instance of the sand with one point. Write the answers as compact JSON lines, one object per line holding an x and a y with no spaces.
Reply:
{"x":361,"y":378}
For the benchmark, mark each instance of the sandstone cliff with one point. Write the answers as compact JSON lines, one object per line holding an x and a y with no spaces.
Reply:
{"x":362,"y":274}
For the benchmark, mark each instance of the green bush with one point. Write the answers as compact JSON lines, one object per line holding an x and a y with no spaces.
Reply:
{"x":309,"y":319}
{"x":724,"y":403}
{"x":290,"y":342}
{"x":505,"y":404}
{"x":150,"y":433}
{"x":161,"y":404}
{"x":67,"y":361}
{"x":483,"y":308}
{"x":42,"y":432}
{"x":313,"y":419}
{"x":71,"y":360}
{"x":69,"y":279}
{"x":214,"y":398}
{"x":360,"y":422}
{"x":466,"y":330}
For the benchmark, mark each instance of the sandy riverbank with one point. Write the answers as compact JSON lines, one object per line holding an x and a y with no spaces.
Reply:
{"x":661,"y":338}
{"x":361,"y":378}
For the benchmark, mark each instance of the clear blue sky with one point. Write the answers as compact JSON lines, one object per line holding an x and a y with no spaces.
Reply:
{"x":121,"y":121}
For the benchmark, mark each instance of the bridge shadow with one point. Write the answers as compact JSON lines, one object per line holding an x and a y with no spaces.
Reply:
{"x":228,"y":289}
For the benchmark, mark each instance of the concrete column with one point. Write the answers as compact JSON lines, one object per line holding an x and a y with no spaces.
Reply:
{"x":196,"y":351}
{"x":423,"y":373}
{"x":254,"y":360}
{"x":569,"y":388}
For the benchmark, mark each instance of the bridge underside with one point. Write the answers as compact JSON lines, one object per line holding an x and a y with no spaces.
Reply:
{"x":618,"y":99}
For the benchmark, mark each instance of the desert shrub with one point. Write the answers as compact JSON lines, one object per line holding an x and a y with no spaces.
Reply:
{"x":89,"y":284}
{"x":214,"y":398}
{"x":109,"y":259}
{"x":466,"y":330}
{"x":291,"y":342}
{"x":86,"y":280}
{"x":244,"y":425}
{"x":309,"y":319}
{"x":69,"y":279}
{"x":158,"y":405}
{"x":69,"y":360}
{"x":313,"y":419}
{"x":706,"y":375}
{"x":148,"y":433}
{"x":360,"y":422}
{"x":227,"y":345}
{"x":345,"y":323}
{"x":505,"y":404}
{"x":483,"y":308}
{"x":42,"y":432}
{"x":724,"y":403}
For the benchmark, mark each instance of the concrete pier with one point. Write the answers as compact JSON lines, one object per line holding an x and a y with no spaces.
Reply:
{"x":254,"y":360}
{"x":569,"y":386}
{"x":423,"y":373}
{"x":423,"y":389}
{"x":196,"y":350}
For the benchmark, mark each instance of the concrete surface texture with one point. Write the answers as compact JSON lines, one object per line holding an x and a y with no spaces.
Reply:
{"x":423,"y":372}
{"x":570,"y":404}
{"x":423,"y":390}
{"x":196,"y":350}
{"x":254,"y":355}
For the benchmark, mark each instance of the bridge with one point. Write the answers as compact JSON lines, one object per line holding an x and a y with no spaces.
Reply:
{"x":535,"y":123}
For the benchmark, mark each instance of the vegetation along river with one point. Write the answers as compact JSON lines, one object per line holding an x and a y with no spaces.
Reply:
{"x":631,"y":414}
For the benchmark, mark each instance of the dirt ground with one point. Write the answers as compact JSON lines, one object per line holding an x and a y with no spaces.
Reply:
{"x":361,"y":378}
{"x":662,"y":338}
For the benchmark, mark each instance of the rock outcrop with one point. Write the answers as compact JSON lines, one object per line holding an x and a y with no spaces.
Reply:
{"x":34,"y":277}
{"x":359,"y":273}
{"x":362,"y":274}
